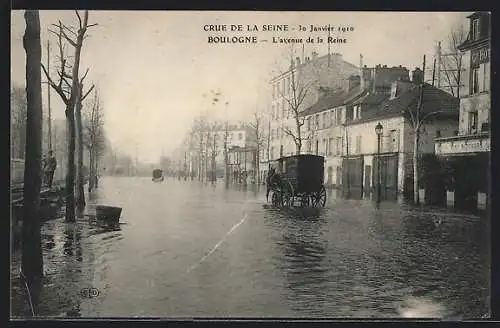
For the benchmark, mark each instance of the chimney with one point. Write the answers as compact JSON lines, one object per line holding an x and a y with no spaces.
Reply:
{"x":417,"y":76}
{"x":362,"y":77}
{"x":297,"y":59}
{"x":314,"y":55}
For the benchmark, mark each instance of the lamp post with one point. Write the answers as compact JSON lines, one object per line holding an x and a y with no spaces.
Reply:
{"x":378,"y":130}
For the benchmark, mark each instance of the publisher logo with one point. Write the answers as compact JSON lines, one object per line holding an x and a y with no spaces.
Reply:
{"x":90,"y":292}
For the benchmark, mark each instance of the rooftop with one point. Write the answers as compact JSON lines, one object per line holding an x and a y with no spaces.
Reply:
{"x":332,"y":100}
{"x":435,"y":100}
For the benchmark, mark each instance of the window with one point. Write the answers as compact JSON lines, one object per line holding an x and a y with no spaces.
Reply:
{"x":316,"y":123}
{"x":278,"y":90}
{"x":309,"y":146}
{"x":395,"y":140}
{"x":475,"y":29}
{"x":283,"y":85}
{"x":486,"y":71}
{"x":288,"y":85}
{"x":438,"y":134}
{"x":281,"y":151}
{"x":309,"y":123}
{"x":317,"y":146}
{"x":332,"y":118}
{"x":338,"y":147}
{"x":475,"y":80}
{"x":283,"y":106}
{"x":324,"y":120}
{"x":339,"y":116}
{"x":325,"y":146}
{"x":473,"y":122}
{"x":358,"y":144}
{"x":271,"y":153}
{"x":330,"y":146}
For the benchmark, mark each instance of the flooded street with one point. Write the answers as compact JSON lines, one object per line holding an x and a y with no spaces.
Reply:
{"x":184,"y":249}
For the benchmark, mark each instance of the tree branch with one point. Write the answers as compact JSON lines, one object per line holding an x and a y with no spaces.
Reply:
{"x":58,"y":89}
{"x":79,"y":19}
{"x":84,"y":76}
{"x":88,"y":92}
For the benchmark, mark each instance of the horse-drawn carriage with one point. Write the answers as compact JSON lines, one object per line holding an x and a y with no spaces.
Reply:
{"x":298,"y":181}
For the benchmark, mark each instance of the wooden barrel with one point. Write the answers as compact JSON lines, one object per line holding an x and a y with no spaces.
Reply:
{"x":108,"y":213}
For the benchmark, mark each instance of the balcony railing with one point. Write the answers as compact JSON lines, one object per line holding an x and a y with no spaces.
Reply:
{"x":471,"y":143}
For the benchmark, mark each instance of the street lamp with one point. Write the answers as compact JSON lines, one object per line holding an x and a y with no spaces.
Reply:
{"x":378,"y":130}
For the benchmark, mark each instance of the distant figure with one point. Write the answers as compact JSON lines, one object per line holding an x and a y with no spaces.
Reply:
{"x":44,"y":169}
{"x":50,"y":167}
{"x":270,"y":181}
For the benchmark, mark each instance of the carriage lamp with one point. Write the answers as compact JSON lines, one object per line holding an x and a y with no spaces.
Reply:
{"x":378,"y":130}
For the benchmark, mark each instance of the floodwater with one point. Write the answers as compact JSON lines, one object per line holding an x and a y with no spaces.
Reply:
{"x":186,"y":249}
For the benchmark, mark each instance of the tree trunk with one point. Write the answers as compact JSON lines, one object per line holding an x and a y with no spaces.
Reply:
{"x":91,"y":170}
{"x":70,"y":174}
{"x":257,"y":164}
{"x":32,"y":259}
{"x":299,"y":138}
{"x":80,"y":195}
{"x":415,"y":166}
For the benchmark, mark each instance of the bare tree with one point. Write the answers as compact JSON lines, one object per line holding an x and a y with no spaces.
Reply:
{"x":417,"y":119}
{"x":217,"y":96}
{"x":451,"y":62}
{"x":294,"y":96}
{"x":80,"y":196}
{"x":18,"y":121}
{"x":214,"y":151}
{"x":32,"y":259}
{"x":94,"y":138}
{"x":260,"y":139}
{"x":198,"y":133}
{"x":70,"y":93}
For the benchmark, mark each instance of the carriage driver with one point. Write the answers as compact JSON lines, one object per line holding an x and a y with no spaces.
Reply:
{"x":271,"y":180}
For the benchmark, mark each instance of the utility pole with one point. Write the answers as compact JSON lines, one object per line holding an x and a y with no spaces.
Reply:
{"x":417,"y":124}
{"x":434,"y":72}
{"x":48,"y":97}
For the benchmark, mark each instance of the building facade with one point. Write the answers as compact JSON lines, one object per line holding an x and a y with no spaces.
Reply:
{"x":465,"y":157}
{"x":345,"y":131}
{"x":302,"y":86}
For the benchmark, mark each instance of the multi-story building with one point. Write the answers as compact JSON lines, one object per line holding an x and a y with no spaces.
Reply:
{"x":200,"y":163}
{"x":345,"y":129}
{"x":466,"y":156}
{"x":301,"y":85}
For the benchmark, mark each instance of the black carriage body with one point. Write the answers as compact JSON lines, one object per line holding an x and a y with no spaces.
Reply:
{"x":304,"y":172}
{"x":157,"y":173}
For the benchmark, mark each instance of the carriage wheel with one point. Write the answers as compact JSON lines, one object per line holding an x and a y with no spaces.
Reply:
{"x":305,"y":200}
{"x":276,"y":198}
{"x":287,"y":194}
{"x":320,"y":198}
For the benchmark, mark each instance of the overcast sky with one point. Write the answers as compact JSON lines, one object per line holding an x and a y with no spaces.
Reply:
{"x":152,"y":68}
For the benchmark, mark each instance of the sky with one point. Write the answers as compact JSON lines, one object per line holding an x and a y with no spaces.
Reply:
{"x":155,"y":69}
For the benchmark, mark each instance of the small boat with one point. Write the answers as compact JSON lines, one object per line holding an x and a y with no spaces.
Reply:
{"x":158,"y":175}
{"x":108,"y":213}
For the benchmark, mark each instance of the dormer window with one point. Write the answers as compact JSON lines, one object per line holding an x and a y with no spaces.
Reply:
{"x":475,"y":29}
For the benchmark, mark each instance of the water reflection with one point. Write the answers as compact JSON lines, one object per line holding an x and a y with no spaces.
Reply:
{"x":301,"y":259}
